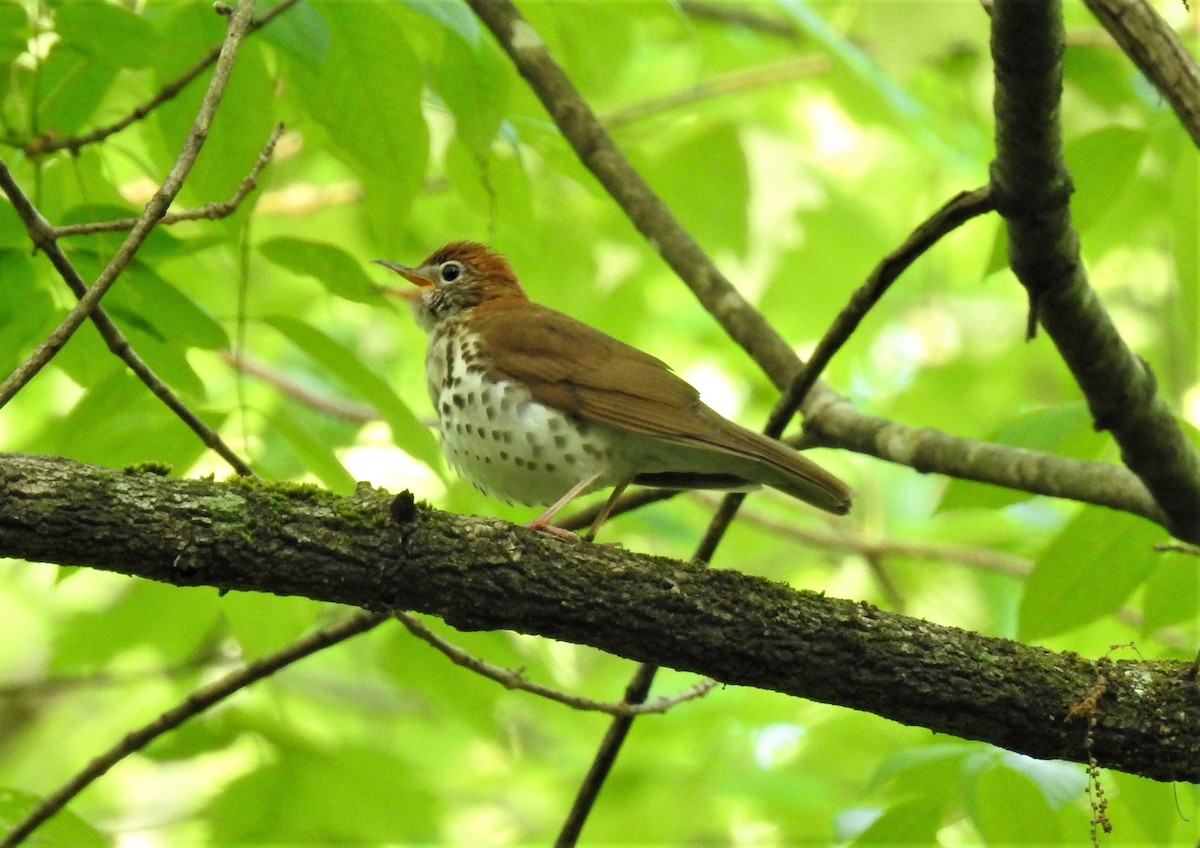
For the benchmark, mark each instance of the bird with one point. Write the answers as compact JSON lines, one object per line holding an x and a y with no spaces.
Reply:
{"x":536,"y":407}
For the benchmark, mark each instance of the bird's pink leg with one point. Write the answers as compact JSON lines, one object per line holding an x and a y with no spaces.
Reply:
{"x":603,"y":514}
{"x":542,"y":522}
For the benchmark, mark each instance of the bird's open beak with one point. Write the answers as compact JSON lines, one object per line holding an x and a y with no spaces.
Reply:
{"x":414,"y":275}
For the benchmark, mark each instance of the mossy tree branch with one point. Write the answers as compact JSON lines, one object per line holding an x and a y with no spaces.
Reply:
{"x":380,"y":552}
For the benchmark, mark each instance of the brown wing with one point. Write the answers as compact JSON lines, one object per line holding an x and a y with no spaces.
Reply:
{"x":585,"y":372}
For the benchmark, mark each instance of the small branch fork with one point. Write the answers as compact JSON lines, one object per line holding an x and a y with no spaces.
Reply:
{"x":44,"y":144}
{"x":510,"y":679}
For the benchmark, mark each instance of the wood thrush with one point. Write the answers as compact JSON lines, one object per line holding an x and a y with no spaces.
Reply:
{"x":535,"y":407}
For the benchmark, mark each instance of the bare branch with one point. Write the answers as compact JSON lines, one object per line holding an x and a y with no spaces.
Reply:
{"x":1158,"y":53}
{"x":1032,"y":188}
{"x":209,"y":211}
{"x":738,"y":14}
{"x":381,"y":552}
{"x":750,"y":78}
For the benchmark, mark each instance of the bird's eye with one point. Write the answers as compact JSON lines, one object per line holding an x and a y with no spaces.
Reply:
{"x":451,"y":271}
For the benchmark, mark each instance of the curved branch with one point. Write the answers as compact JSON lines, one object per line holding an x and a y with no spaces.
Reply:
{"x":379,"y":552}
{"x":1032,"y":190}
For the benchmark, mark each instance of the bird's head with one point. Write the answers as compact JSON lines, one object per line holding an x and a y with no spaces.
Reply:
{"x":455,"y":278}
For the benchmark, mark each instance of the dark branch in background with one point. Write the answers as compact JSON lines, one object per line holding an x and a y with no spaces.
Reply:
{"x":194,"y":704}
{"x":830,"y":418}
{"x":207,"y":212}
{"x":1032,"y":190}
{"x":43,"y":144}
{"x":43,"y":236}
{"x":1159,"y":55}
{"x":381,"y":552}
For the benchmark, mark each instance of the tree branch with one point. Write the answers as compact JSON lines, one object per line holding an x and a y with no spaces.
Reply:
{"x":1158,"y":53}
{"x":381,"y":553}
{"x":1032,"y":190}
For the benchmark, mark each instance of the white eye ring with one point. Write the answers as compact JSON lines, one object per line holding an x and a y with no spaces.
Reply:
{"x":450,"y":270}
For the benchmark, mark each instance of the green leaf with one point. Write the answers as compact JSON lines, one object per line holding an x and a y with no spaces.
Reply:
{"x":263,"y":623}
{"x":1008,"y":809}
{"x":1103,"y":164}
{"x":119,"y":422}
{"x":314,"y":453}
{"x":27,"y":312}
{"x":1088,"y":571}
{"x":367,"y":97}
{"x":64,"y":830}
{"x":300,"y":32}
{"x":713,"y":209}
{"x":474,"y":83}
{"x":455,"y":16}
{"x":914,"y":822}
{"x":172,"y":622}
{"x":1172,"y":593}
{"x":335,"y":268}
{"x":107,"y":34}
{"x":165,"y":310}
{"x":72,"y":86}
{"x":343,"y":365}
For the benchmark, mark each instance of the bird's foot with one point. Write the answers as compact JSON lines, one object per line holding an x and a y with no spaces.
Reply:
{"x":543,"y":525}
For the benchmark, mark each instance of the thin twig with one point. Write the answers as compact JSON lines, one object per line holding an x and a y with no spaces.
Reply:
{"x":952,"y":215}
{"x":41,"y":233}
{"x":347,"y":410}
{"x":739,"y":14}
{"x":194,"y":704}
{"x":748,"y":78}
{"x":45,"y":143}
{"x":510,"y":679}
{"x":602,"y":762}
{"x":209,"y":211}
